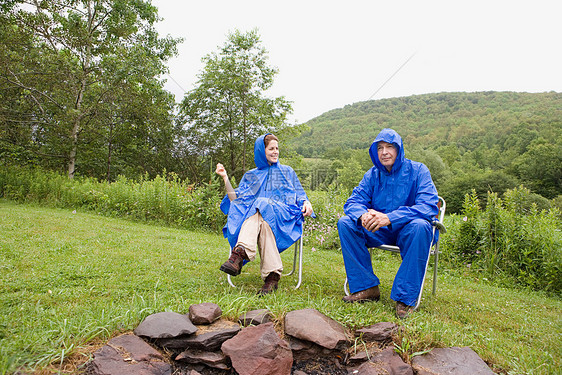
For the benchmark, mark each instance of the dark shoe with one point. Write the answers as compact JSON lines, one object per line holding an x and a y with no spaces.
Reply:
{"x":403,"y":310}
{"x":233,"y":266}
{"x":370,"y":294}
{"x":270,"y":284}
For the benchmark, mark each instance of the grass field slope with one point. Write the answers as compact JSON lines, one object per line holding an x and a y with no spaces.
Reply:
{"x":70,"y":280}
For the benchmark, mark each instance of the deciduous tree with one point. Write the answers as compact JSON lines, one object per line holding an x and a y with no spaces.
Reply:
{"x":81,"y":77}
{"x":228,"y":108}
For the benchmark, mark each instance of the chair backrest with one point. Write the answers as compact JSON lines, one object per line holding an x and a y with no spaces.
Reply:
{"x":438,"y":222}
{"x":442,"y":205}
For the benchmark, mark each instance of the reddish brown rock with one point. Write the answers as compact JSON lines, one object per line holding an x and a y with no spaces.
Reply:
{"x":128,"y":355}
{"x":259,"y":351}
{"x":312,"y":325}
{"x":204,"y":313}
{"x":387,"y":362}
{"x":459,"y":361}
{"x":377,"y":332}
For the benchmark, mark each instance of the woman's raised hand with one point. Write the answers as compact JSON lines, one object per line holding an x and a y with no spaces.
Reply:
{"x":220,"y":170}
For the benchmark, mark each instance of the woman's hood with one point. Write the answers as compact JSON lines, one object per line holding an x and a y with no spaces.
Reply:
{"x":388,"y":136}
{"x":259,"y":153}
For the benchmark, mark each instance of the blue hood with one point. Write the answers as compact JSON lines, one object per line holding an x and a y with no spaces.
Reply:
{"x":388,"y":136}
{"x":259,"y":153}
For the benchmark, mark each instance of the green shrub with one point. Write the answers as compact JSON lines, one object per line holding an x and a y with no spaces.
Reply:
{"x":165,"y":199}
{"x":511,"y":240}
{"x":322,"y":232}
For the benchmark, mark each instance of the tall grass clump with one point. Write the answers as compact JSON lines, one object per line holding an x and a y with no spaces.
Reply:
{"x":164,"y":199}
{"x":510,"y":240}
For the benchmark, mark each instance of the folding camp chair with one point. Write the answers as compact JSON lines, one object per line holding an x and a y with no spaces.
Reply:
{"x":438,"y":227}
{"x":298,"y":255}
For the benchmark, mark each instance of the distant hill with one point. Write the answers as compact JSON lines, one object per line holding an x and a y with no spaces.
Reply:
{"x":500,"y":120}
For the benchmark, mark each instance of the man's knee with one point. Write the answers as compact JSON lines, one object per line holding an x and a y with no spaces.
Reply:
{"x":419,"y":225}
{"x":417,"y":229}
{"x":345,"y":224}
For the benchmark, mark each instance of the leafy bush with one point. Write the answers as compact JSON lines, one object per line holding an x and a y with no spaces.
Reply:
{"x":322,"y":232}
{"x":455,"y":188}
{"x":164,"y":199}
{"x":511,"y":240}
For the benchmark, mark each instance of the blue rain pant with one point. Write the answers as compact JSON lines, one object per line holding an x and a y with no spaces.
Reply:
{"x":413,"y":239}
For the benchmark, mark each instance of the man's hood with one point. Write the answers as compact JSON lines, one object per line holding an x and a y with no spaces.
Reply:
{"x":388,"y":136}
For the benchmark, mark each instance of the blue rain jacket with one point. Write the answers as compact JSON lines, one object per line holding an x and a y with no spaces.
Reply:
{"x":404,"y":193}
{"x":275,"y":191}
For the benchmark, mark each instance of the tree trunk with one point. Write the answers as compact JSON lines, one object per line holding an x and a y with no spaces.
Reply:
{"x":75,"y":130}
{"x":109,"y":149}
{"x":77,"y":119}
{"x":244,"y":124}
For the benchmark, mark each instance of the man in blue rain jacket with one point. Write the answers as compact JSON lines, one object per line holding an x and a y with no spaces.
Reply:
{"x":393,"y":204}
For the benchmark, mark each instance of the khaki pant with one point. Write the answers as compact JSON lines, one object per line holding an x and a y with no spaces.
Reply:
{"x":256,"y":233}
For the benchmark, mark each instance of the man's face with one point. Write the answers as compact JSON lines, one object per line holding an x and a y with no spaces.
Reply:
{"x":387,"y":154}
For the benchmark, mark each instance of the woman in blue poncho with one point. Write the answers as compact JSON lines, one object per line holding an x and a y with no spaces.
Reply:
{"x":265,"y":213}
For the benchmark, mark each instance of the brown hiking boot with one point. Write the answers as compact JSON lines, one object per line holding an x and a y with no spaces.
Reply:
{"x":270,"y":284}
{"x":403,"y":310}
{"x":370,"y":294}
{"x":233,"y":266}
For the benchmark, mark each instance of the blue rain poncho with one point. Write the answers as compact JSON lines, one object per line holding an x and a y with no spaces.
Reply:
{"x":404,"y":193}
{"x":275,"y":191}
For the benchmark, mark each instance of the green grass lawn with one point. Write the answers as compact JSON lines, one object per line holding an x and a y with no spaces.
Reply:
{"x":70,"y":279}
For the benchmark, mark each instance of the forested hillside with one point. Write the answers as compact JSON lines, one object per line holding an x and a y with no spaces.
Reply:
{"x":503,"y":121}
{"x":486,"y":141}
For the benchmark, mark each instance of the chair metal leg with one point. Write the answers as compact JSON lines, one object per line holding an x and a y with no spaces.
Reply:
{"x":294,"y":261}
{"x":228,"y":277}
{"x":300,"y":245}
{"x":425,"y":272}
{"x":435,"y":259}
{"x":298,"y":256}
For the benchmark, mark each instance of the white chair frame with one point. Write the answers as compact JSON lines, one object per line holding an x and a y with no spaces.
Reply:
{"x":297,"y":258}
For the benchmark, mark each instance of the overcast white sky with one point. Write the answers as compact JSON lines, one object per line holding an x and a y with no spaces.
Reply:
{"x":333,"y":53}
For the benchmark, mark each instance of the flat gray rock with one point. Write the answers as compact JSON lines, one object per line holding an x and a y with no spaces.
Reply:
{"x":165,"y":325}
{"x":455,"y":360}
{"x":255,"y":317}
{"x":377,"y":332}
{"x":386,"y":362}
{"x":211,"y":359}
{"x":363,"y":356}
{"x":208,"y":337}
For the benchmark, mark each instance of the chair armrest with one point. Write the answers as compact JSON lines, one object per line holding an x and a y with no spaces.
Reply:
{"x":439,"y":225}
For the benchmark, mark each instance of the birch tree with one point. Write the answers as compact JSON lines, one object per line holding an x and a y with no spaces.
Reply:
{"x":82,"y":65}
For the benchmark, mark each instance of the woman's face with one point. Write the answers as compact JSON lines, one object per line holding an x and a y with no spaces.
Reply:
{"x":272,"y":151}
